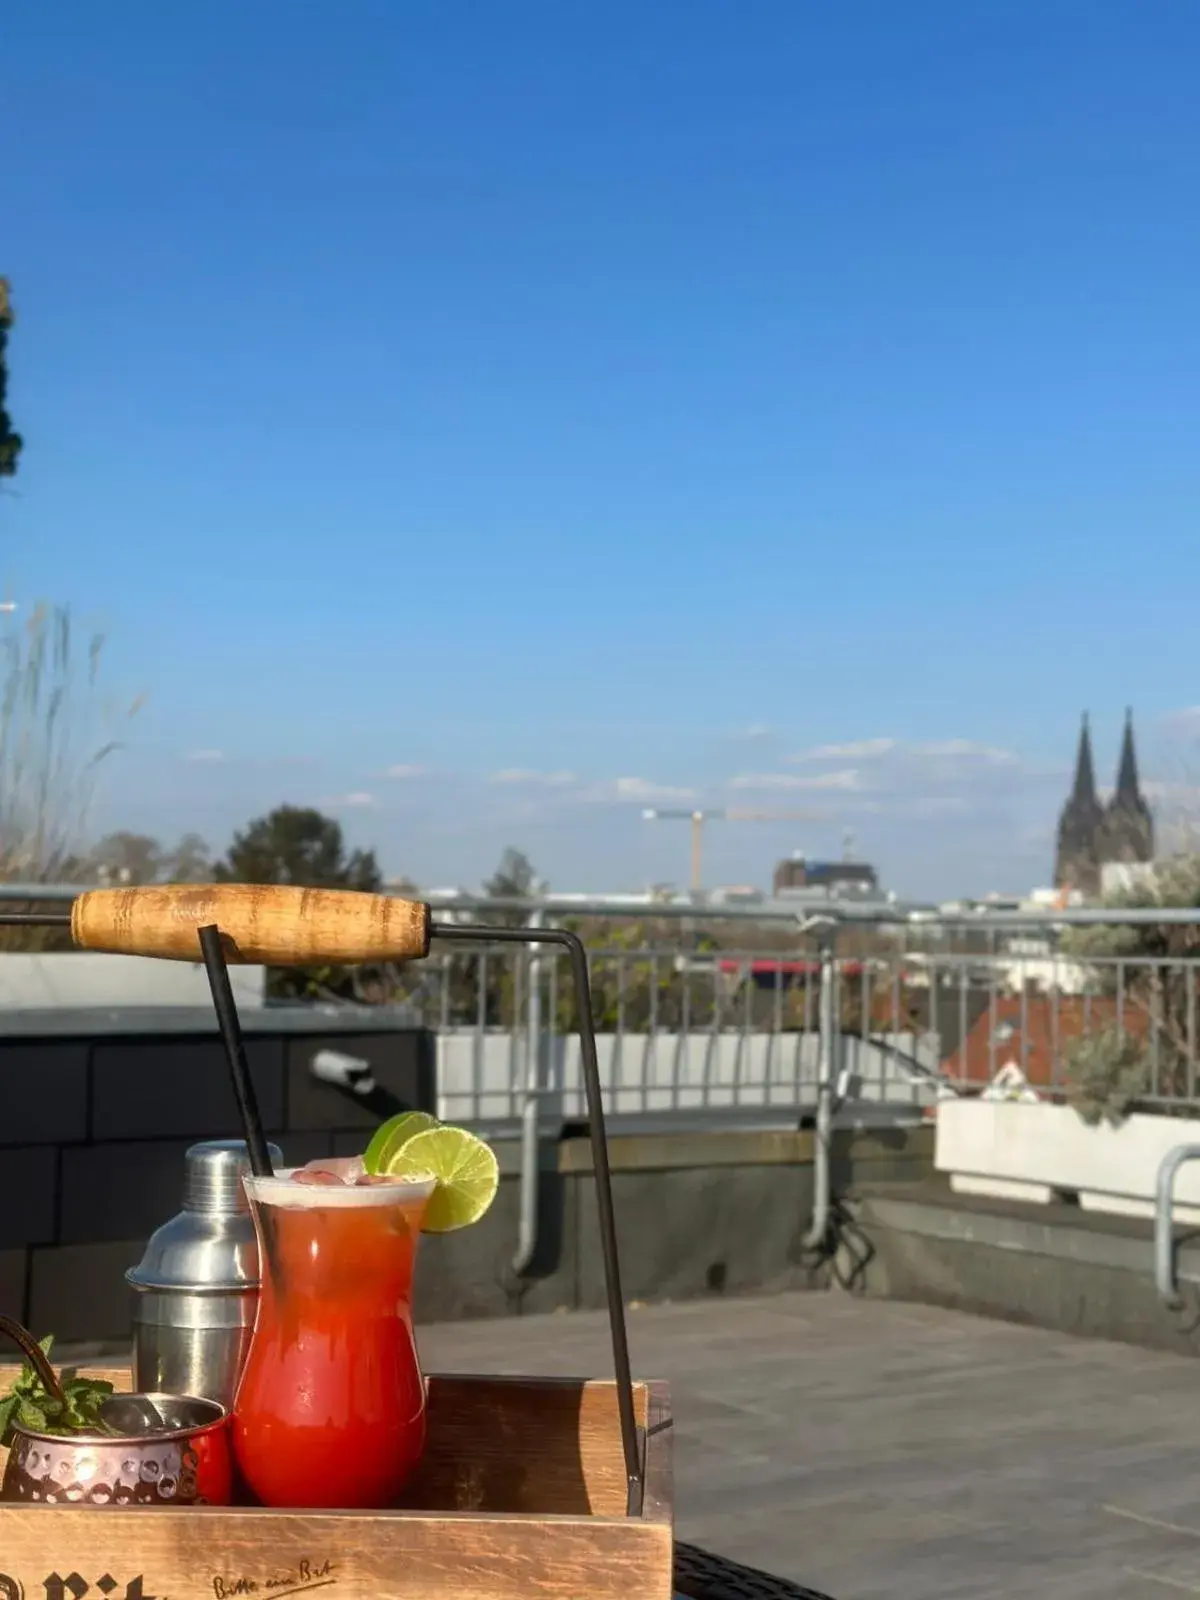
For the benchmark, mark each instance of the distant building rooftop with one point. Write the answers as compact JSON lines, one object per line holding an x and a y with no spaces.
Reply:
{"x":735,"y":894}
{"x":843,"y":879}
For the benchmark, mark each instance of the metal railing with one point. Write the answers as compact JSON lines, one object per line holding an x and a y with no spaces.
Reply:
{"x":739,"y":1025}
{"x":786,"y":1010}
{"x":716,"y":1010}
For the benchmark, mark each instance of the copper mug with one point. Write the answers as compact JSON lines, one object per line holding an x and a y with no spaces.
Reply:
{"x":181,"y":1460}
{"x":155,"y":1450}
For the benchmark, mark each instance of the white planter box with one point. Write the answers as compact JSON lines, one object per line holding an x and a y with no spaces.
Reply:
{"x":1028,"y":1152}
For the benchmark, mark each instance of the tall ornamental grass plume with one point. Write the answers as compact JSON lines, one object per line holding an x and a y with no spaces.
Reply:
{"x":58,"y":733}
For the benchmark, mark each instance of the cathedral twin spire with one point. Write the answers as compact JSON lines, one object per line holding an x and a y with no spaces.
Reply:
{"x":1128,"y":792}
{"x":1091,"y":835}
{"x":1083,"y":796}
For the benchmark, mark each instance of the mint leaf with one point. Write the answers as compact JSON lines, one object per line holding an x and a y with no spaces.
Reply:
{"x":31,"y":1416}
{"x":101,"y":1388}
{"x":29,"y":1404}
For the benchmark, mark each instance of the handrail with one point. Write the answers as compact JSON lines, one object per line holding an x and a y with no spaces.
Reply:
{"x":1165,"y":1280}
{"x":796,"y":908}
{"x":814,"y":1237}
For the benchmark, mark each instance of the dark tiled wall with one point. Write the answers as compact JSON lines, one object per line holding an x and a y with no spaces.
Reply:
{"x":92,"y":1139}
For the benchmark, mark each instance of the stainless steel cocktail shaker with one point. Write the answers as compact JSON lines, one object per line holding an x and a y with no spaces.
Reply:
{"x":196,"y":1287}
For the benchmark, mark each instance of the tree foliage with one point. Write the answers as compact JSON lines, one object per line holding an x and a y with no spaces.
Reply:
{"x":124,"y":857}
{"x":1150,"y":966}
{"x":10,"y":441}
{"x":514,"y":879}
{"x":1108,"y":1073}
{"x":189,"y":862}
{"x":296,"y":844}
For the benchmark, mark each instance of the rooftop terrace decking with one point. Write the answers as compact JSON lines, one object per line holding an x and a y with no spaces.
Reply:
{"x":875,"y":1449}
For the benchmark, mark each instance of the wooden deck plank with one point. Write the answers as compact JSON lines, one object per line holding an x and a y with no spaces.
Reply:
{"x":874,"y":1449}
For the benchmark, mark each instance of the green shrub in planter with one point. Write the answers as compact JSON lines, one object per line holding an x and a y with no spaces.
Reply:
{"x":1107,"y":1074}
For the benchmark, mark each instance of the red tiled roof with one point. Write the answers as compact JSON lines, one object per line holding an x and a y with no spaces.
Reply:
{"x":793,"y":969}
{"x":1041,"y":1026}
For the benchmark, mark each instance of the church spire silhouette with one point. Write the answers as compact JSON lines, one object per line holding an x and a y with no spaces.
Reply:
{"x":1128,"y":789}
{"x":1084,"y":792}
{"x":1092,"y":836}
{"x":1080,"y":825}
{"x":1128,"y":822}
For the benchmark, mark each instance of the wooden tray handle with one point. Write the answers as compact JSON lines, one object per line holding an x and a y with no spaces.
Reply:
{"x":263,"y":924}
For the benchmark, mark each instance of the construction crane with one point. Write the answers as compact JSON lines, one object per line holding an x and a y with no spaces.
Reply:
{"x":699,"y":818}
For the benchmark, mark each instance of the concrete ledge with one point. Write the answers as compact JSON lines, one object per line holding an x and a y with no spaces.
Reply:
{"x":853,"y":1148}
{"x":1052,"y":1266}
{"x":698,"y":1212}
{"x":1062,"y":1232}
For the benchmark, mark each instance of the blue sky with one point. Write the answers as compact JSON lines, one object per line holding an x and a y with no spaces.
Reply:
{"x":637,"y":398}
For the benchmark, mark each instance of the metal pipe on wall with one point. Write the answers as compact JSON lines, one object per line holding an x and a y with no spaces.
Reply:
{"x":826,"y":1077}
{"x":531,"y":1104}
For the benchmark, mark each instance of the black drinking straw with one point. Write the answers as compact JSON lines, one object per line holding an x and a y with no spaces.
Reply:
{"x":235,"y":1050}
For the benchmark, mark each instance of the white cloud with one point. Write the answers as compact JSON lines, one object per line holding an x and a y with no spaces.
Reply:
{"x":845,"y":778}
{"x":855,"y":750}
{"x":405,"y":769}
{"x":898,"y":806}
{"x":533,"y":780}
{"x":207,"y":757}
{"x":965,"y":750}
{"x":929,"y":750}
{"x":1184,"y":722}
{"x":899,"y":778}
{"x":639,"y":791}
{"x":647,"y":793}
{"x":1168,"y":792}
{"x":356,"y":800}
{"x":569,"y":787}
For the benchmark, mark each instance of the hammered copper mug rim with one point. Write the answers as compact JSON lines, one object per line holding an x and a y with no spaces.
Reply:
{"x":186,"y":1431}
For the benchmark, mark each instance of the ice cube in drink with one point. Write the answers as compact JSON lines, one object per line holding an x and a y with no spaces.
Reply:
{"x":329,"y":1169}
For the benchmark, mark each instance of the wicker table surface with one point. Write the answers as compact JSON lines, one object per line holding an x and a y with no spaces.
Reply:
{"x":701,"y":1575}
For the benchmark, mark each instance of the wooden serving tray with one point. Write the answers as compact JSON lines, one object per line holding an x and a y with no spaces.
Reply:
{"x":521,"y":1494}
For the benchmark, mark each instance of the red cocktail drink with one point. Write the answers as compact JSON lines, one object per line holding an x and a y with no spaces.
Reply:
{"x":330,"y":1409}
